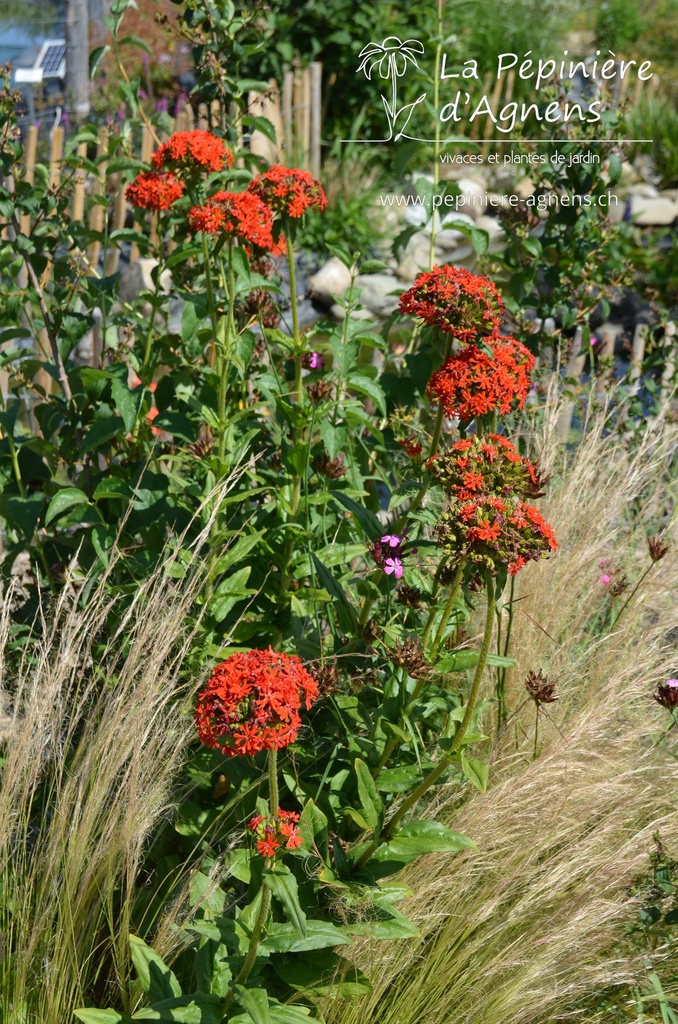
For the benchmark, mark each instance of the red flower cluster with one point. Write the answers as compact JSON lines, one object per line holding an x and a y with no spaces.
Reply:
{"x":289,"y":191}
{"x":485,"y":465}
{"x":488,"y":520}
{"x":155,"y":190}
{"x":272,"y":833}
{"x":411,"y":447}
{"x":455,"y":301}
{"x":252,"y":702}
{"x":474,"y":382}
{"x":241,"y":214}
{"x":495,"y":532}
{"x":193,"y":151}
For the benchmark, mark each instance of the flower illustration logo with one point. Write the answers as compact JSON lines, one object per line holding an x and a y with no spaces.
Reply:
{"x":389,"y":60}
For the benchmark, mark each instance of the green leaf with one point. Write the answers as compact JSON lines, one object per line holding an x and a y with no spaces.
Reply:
{"x":475,"y":771}
{"x":95,"y":58}
{"x":255,"y":1002}
{"x":369,"y":387}
{"x":99,"y":1016}
{"x":371,"y":526}
{"x":155,"y":977}
{"x":479,"y":239}
{"x":198,"y":1008}
{"x":372,"y":266}
{"x":281,"y":1013}
{"x":105,"y":427}
{"x":419,"y":837}
{"x":398,"y":780}
{"x":334,"y":438}
{"x":370,"y":800}
{"x":460,"y":661}
{"x":136,"y":41}
{"x":283,"y":885}
{"x":22,"y":513}
{"x":67,"y":497}
{"x":346,"y":613}
{"x":283,"y":938}
{"x":229,"y":592}
{"x":127,"y":402}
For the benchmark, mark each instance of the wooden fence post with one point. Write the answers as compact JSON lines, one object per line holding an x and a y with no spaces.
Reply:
{"x":96,"y":214}
{"x":573,"y":370}
{"x":316,"y":116}
{"x":30,"y":152}
{"x":78,"y":208}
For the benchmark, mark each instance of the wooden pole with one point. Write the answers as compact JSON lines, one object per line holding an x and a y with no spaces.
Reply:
{"x":30,"y":151}
{"x":96,"y":214}
{"x":288,"y":126}
{"x":316,"y":116}
{"x":573,"y":370}
{"x":56,"y":152}
{"x":117,"y":222}
{"x":146,"y":154}
{"x":78,"y":210}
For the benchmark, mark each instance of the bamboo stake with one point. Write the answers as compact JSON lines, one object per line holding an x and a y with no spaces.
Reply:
{"x":117,"y":222}
{"x":573,"y":370}
{"x":56,"y":153}
{"x":78,"y":209}
{"x":288,"y":127}
{"x":96,"y":215}
{"x":316,"y":116}
{"x":30,"y":152}
{"x":475,"y":127}
{"x":640,"y":336}
{"x":147,"y":143}
{"x":668,"y":384}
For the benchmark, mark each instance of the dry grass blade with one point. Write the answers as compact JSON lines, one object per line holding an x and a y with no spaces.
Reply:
{"x":532,"y":925}
{"x":93,"y":740}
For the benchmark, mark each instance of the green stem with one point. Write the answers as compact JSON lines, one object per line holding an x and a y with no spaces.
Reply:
{"x":255,"y":937}
{"x":633,"y":592}
{"x":436,"y":136}
{"x":255,"y":941}
{"x":501,"y":680}
{"x":435,"y":440}
{"x":455,"y":587}
{"x":224,"y":355}
{"x":299,"y":395}
{"x":211,"y":307}
{"x":273,"y":794}
{"x":445,"y":762}
{"x":535,"y":752}
{"x":14,"y":457}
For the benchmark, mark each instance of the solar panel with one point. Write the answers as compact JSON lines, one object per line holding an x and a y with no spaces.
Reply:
{"x":52,"y":60}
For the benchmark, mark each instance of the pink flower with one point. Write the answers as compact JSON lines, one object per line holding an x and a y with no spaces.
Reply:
{"x":393,"y":565}
{"x":312,"y":361}
{"x":672,"y":682}
{"x":392,"y":539}
{"x":604,"y":580}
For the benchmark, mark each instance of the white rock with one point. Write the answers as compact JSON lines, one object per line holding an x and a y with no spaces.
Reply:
{"x":137,"y":279}
{"x":377,"y":289}
{"x":643,"y":189}
{"x":334,"y":278}
{"x":492,"y":226}
{"x":524,"y":188}
{"x":416,"y":257}
{"x":474,"y":193}
{"x":656,"y":212}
